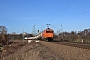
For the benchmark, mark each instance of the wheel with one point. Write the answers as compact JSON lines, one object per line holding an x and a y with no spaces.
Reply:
{"x":50,"y":39}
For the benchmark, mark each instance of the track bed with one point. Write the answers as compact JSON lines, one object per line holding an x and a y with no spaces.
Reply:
{"x":75,"y":44}
{"x":43,"y":50}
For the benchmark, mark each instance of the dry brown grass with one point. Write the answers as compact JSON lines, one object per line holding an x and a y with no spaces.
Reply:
{"x":48,"y":51}
{"x":25,"y":53}
{"x":68,"y":52}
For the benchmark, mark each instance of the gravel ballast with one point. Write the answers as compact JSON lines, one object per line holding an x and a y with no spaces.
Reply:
{"x":68,"y":52}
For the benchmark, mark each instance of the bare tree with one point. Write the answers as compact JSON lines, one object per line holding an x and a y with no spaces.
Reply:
{"x":3,"y":35}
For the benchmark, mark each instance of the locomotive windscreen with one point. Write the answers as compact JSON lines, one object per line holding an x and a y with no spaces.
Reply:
{"x":49,"y":31}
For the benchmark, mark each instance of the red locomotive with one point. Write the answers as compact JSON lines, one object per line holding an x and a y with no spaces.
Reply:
{"x":48,"y":34}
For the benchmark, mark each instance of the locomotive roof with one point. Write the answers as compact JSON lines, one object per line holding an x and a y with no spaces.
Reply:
{"x":48,"y":29}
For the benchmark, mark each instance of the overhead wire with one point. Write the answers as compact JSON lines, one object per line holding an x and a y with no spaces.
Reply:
{"x":76,"y":16}
{"x":72,"y":17}
{"x":41,"y":27}
{"x":55,"y":27}
{"x":63,"y":9}
{"x":60,"y":10}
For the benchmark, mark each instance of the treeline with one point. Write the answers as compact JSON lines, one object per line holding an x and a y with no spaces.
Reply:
{"x":4,"y":37}
{"x":18,"y":36}
{"x":81,"y":36}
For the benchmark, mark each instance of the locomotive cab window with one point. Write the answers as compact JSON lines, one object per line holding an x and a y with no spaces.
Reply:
{"x":49,"y":31}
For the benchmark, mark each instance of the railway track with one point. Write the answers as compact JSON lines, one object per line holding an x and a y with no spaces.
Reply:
{"x":74,"y":44}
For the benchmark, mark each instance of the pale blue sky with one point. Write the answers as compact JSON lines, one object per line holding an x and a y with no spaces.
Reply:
{"x":17,"y":15}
